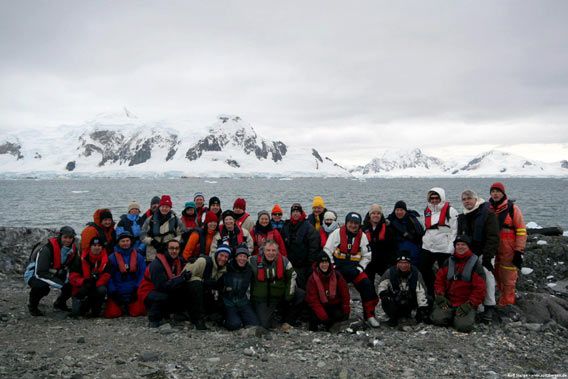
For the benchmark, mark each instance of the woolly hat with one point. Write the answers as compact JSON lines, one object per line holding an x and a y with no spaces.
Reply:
{"x":67,"y":231}
{"x":318,"y":202}
{"x":276,"y":209}
{"x":240,"y":203}
{"x":210,"y":217}
{"x":166,"y":200}
{"x":498,"y":186}
{"x":133,"y":205}
{"x":214,"y":200}
{"x":124,"y":235}
{"x":223,"y":249}
{"x":329,"y":215}
{"x":263,"y":213}
{"x":296,"y":207}
{"x":227,"y":213}
{"x":189,"y":204}
{"x":155,"y":200}
{"x":403,"y":255}
{"x":400,"y":204}
{"x":242,"y":249}
{"x":463,"y":238}
{"x":198,"y":194}
{"x":106,"y":213}
{"x":353,"y":216}
{"x":375,"y":208}
{"x":323,"y":257}
{"x":95,"y":241}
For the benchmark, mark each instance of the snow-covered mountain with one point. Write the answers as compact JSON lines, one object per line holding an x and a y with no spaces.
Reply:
{"x":493,"y":163}
{"x":122,"y":144}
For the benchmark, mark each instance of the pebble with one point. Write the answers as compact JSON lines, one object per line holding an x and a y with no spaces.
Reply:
{"x":249,"y":351}
{"x":81,"y":339}
{"x":214,"y":360}
{"x":149,"y":356}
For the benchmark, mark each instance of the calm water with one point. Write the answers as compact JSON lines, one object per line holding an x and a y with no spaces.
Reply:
{"x":56,"y":202}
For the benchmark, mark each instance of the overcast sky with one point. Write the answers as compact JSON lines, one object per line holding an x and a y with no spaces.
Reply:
{"x":351,"y":78}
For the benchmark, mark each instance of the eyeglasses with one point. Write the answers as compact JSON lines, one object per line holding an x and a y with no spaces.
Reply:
{"x":434,"y":197}
{"x":277,"y":214}
{"x":173,"y":248}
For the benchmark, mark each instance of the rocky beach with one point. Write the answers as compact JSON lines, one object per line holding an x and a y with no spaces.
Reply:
{"x":530,"y":340}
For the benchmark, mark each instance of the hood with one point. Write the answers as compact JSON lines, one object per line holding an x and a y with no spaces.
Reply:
{"x":97,"y":216}
{"x":439,"y":191}
{"x":475,"y":207}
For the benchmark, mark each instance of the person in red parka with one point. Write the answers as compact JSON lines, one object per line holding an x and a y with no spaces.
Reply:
{"x":89,"y":276}
{"x":263,"y":231}
{"x":327,"y":295}
{"x":459,"y":288}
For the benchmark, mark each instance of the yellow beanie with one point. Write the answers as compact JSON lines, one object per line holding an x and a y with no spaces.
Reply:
{"x":318,"y":202}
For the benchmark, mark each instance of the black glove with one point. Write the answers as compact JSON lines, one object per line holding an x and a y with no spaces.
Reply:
{"x":385,"y":295}
{"x":486,"y":262}
{"x":186,"y":275}
{"x":518,"y":259}
{"x":175,"y":282}
{"x":423,"y":315}
{"x":464,"y":309}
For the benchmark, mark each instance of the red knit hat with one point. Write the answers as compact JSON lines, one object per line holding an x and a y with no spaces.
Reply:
{"x":210,"y":217}
{"x":276,"y":209}
{"x":498,"y":186}
{"x":240,"y":203}
{"x":166,"y":200}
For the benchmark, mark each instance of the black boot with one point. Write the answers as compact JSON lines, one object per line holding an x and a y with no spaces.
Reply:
{"x":61,"y":305}
{"x":34,"y":310}
{"x":489,"y":314}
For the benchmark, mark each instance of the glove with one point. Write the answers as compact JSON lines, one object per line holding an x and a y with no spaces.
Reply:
{"x":442,"y":301}
{"x":518,"y":259}
{"x":486,"y":262}
{"x":175,"y":282}
{"x":186,"y":275}
{"x":385,"y":295}
{"x":423,"y":315}
{"x":464,"y":309}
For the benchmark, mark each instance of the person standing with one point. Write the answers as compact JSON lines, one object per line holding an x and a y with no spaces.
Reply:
{"x":381,"y":240}
{"x":242,"y":217}
{"x":276,"y":217}
{"x":200,"y":208}
{"x":231,"y":235}
{"x":132,"y":222}
{"x":318,"y":211}
{"x":407,"y":230}
{"x":263,"y":232}
{"x":513,"y":238}
{"x":329,"y":225}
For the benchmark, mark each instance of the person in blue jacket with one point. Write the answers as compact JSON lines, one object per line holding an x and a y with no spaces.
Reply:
{"x":407,"y":230}
{"x":132,"y":222}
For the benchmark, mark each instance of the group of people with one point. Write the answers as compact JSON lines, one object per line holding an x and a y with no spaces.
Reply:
{"x":207,"y":264}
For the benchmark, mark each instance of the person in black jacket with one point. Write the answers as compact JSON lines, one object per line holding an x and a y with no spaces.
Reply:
{"x":479,"y":222}
{"x":408,"y":231}
{"x":302,"y":244}
{"x":381,"y":241}
{"x":173,"y":291}
{"x":49,"y":267}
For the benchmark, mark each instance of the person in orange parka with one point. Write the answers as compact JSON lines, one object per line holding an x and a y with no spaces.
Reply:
{"x":459,"y":288}
{"x":102,"y":227}
{"x":193,"y":248}
{"x":513,"y":238}
{"x":89,"y":277}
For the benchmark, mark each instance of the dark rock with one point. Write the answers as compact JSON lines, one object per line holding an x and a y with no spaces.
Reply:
{"x":149,"y":356}
{"x":81,"y":339}
{"x":233,"y":163}
{"x":70,"y":166}
{"x":317,"y":155}
{"x":12,"y":149}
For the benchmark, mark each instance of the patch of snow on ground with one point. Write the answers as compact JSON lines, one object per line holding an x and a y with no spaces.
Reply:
{"x":541,"y":242}
{"x":551,"y":284}
{"x":533,"y":225}
{"x":526,"y":270}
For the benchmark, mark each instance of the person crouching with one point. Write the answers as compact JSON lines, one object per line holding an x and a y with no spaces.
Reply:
{"x":327,"y":295}
{"x":89,"y":277}
{"x":459,"y":288}
{"x":402,"y":289}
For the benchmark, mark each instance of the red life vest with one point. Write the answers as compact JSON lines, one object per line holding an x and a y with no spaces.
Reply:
{"x":98,"y":267}
{"x":240,"y":236}
{"x":345,"y":247}
{"x":260,"y":239}
{"x":382,"y":233}
{"x":133,"y":264}
{"x":443,"y":215}
{"x":56,"y":264}
{"x":242,"y":219}
{"x":164,"y":261}
{"x":326,"y":296}
{"x":323,"y":237}
{"x":261,"y":275}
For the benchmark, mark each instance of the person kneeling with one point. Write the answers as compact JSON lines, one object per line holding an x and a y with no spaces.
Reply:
{"x":402,"y":290}
{"x":89,"y":277}
{"x":327,"y":295}
{"x":167,"y":289}
{"x":459,"y":288}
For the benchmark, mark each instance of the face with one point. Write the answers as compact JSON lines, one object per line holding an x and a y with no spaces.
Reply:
{"x":107,"y":222}
{"x":241,"y":259}
{"x":434,"y":198}
{"x":399,"y":212}
{"x":277,"y":216}
{"x":212,"y":225}
{"x":199,"y":201}
{"x":229,"y":222}
{"x":468,"y":202}
{"x":215,"y":208}
{"x":134,"y":211}
{"x":375,"y":216}
{"x":461,"y":248}
{"x":153,"y":207}
{"x":96,"y":249}
{"x":190,"y":211}
{"x":165,"y":209}
{"x":328,"y":221}
{"x":296,"y":215}
{"x":496,"y":195}
{"x":67,"y":240}
{"x":238,"y":211}
{"x":222,"y":259}
{"x":270,"y":252}
{"x":403,"y":266}
{"x":173,"y":249}
{"x":264,"y":220}
{"x":317,"y":210}
{"x":125,"y":243}
{"x":352,"y":226}
{"x":324,"y":266}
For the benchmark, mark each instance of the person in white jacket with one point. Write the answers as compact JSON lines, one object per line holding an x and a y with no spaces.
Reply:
{"x":349,"y":250}
{"x":441,"y":225}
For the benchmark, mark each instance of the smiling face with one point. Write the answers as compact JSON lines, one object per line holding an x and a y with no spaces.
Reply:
{"x":264,"y":220}
{"x":125,"y":243}
{"x":324,"y":266}
{"x":277,"y":216}
{"x":199,"y":200}
{"x":173,"y":249}
{"x":352,"y":226}
{"x":375,"y":217}
{"x":215,"y":208}
{"x":107,"y":222}
{"x":270,"y":251}
{"x":399,"y":213}
{"x":229,"y":223}
{"x":461,"y":248}
{"x":317,"y":210}
{"x":212,"y":225}
{"x":222,"y":259}
{"x":96,"y":249}
{"x":434,"y":198}
{"x":496,"y":195}
{"x":67,"y":240}
{"x":165,"y":209}
{"x":241,"y":259}
{"x":296,"y":215}
{"x":134,"y":211}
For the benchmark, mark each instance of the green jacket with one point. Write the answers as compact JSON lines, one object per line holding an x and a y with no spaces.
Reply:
{"x":272,"y":289}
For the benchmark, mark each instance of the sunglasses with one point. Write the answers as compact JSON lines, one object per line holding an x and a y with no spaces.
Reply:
{"x":277,"y":214}
{"x":434,"y":197}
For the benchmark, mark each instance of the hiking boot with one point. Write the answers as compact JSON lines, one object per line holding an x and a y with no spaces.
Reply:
{"x":34,"y":310}
{"x":392,"y":322}
{"x":489,"y":315}
{"x":61,"y":305}
{"x":285,"y":327}
{"x":200,"y":325}
{"x":373,"y":322}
